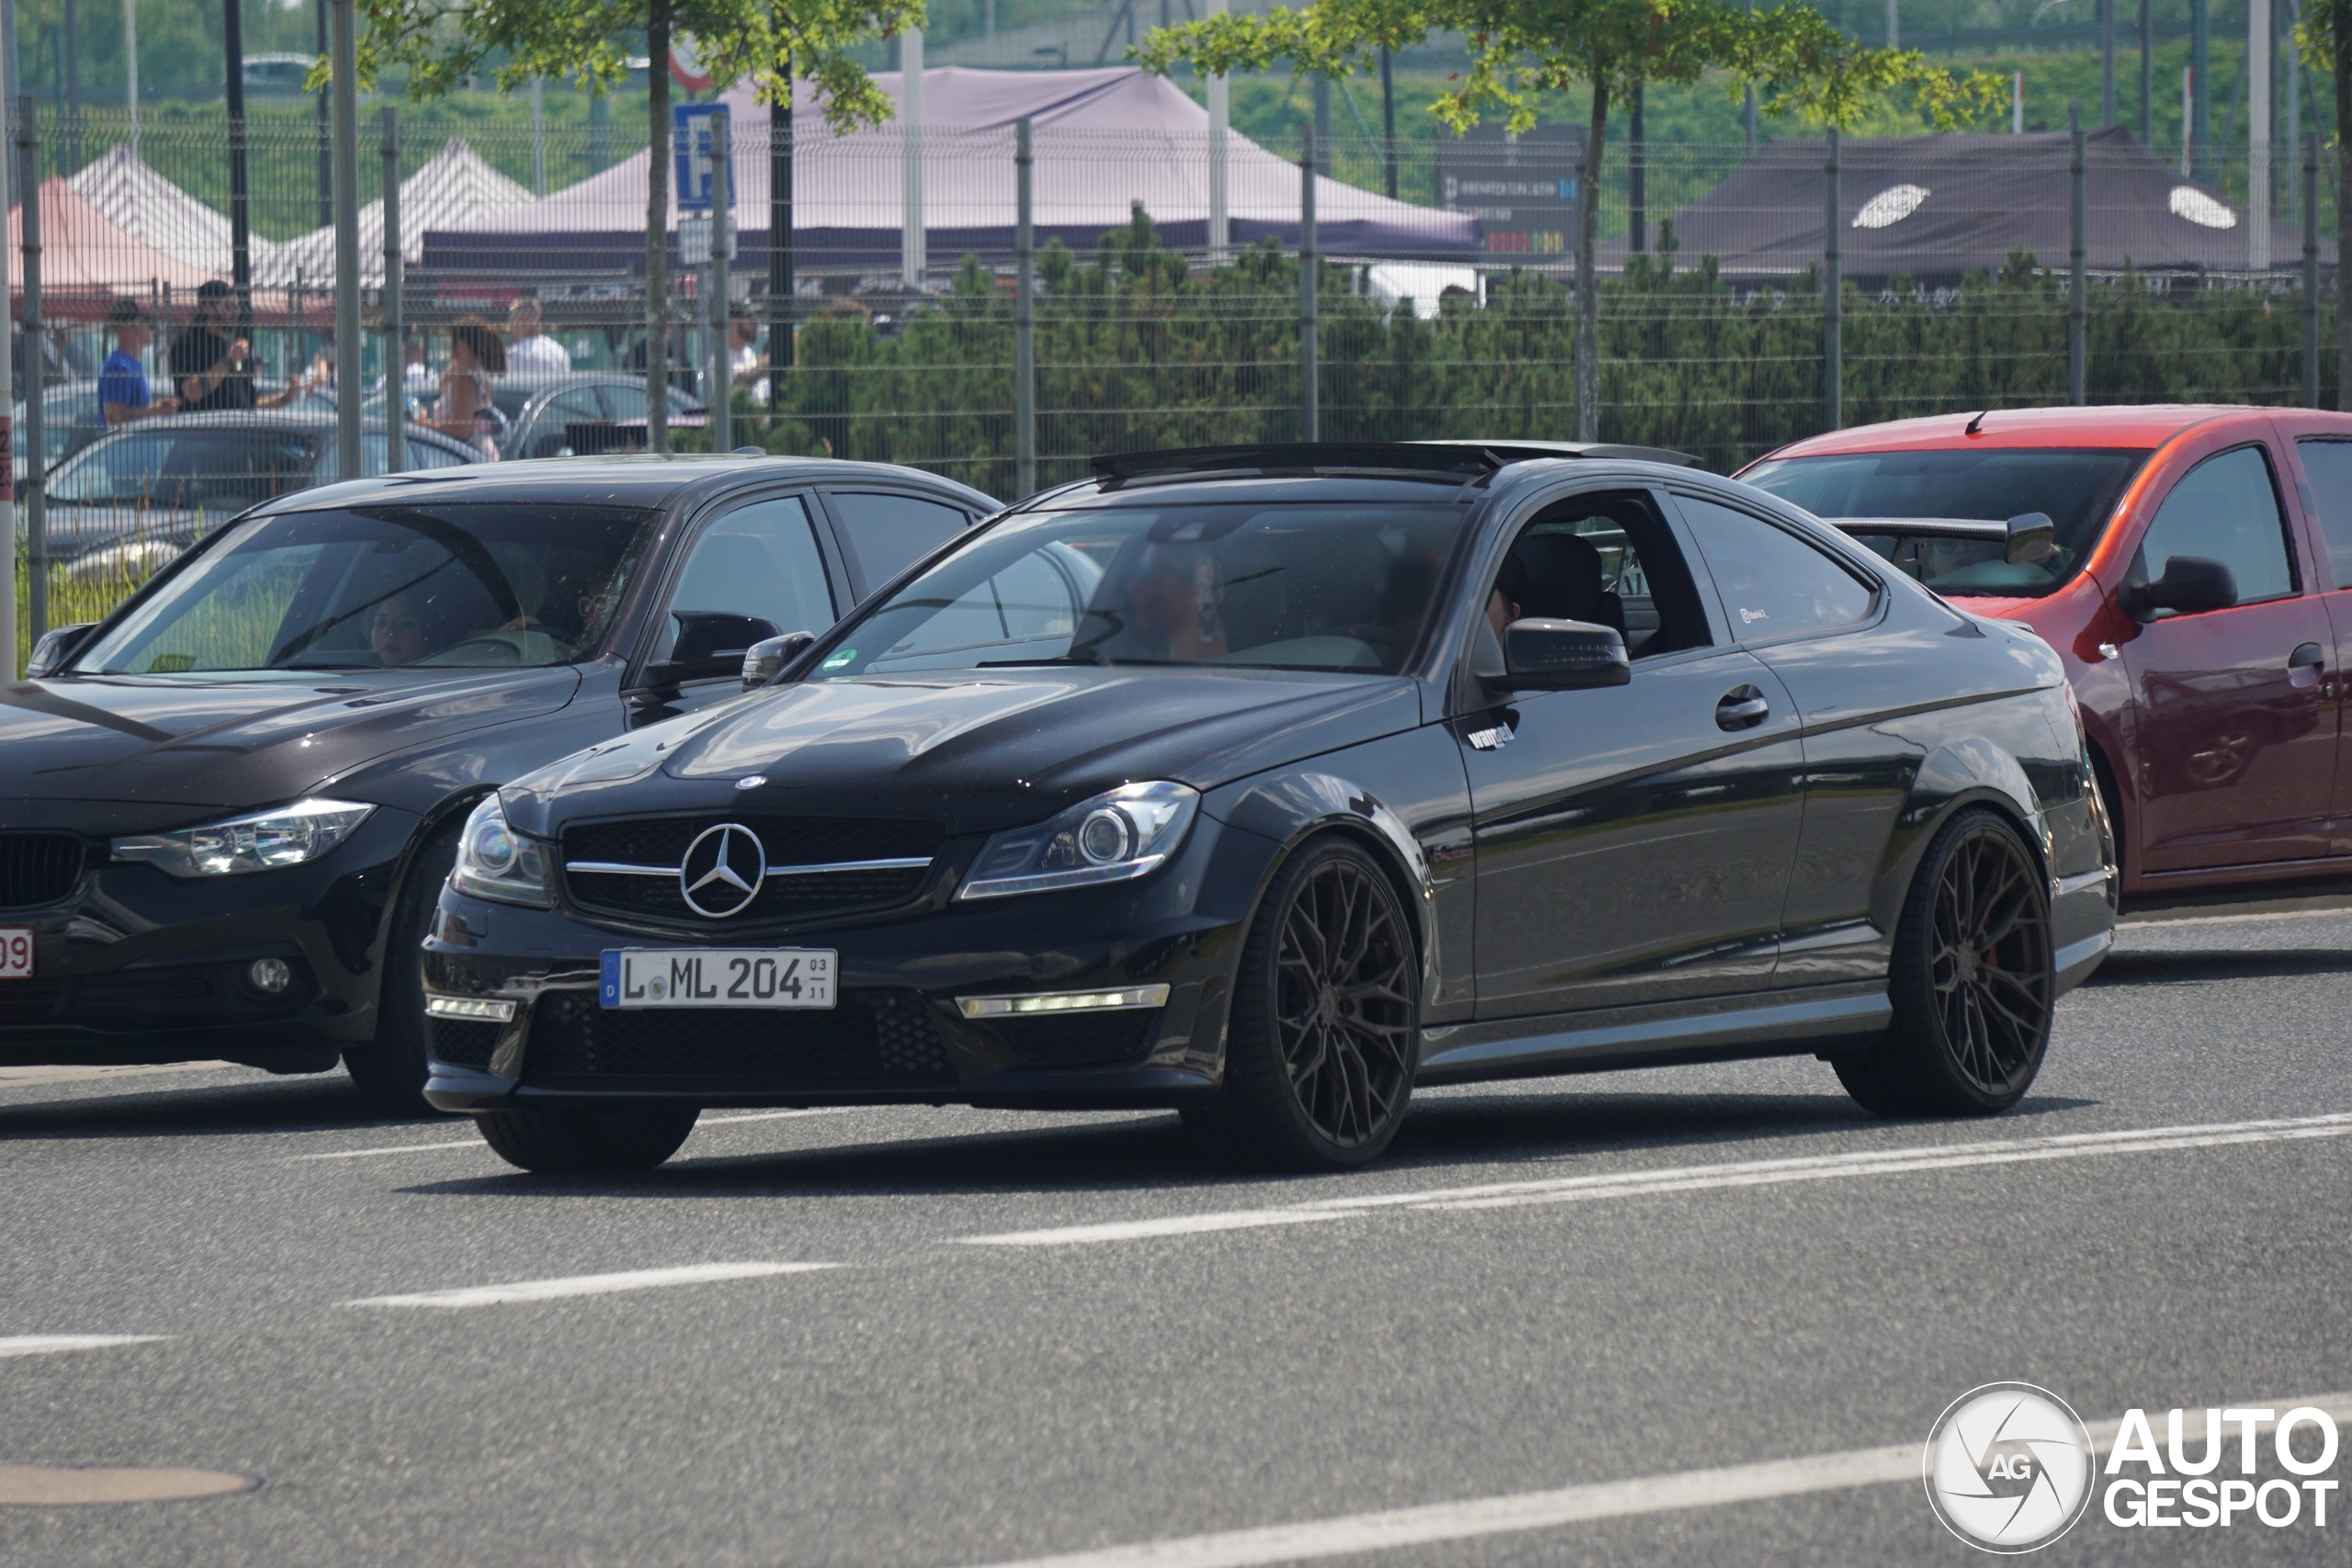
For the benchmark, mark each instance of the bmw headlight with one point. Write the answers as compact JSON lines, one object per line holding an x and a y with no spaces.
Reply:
{"x":498,"y":863}
{"x":1114,"y":836}
{"x":288,"y":835}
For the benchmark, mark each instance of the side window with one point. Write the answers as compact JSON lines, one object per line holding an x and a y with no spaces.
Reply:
{"x":2329,"y":463}
{"x":1611,"y":560}
{"x":549,"y":426}
{"x":622,"y":401}
{"x":1773,"y":584}
{"x":2227,"y":510}
{"x":887,"y":534}
{"x":760,"y":560}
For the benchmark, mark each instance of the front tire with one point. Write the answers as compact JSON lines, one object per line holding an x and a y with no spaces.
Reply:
{"x":389,"y":1070}
{"x":1326,"y":1027}
{"x":559,"y":1141}
{"x":1972,"y":982}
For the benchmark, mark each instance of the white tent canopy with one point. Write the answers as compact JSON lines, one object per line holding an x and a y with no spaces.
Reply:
{"x":456,"y":189}
{"x":159,"y":213}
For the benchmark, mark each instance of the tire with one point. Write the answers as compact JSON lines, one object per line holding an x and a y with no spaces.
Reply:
{"x":559,"y":1141}
{"x":389,"y":1070}
{"x":1972,"y":982}
{"x":1325,"y":1033}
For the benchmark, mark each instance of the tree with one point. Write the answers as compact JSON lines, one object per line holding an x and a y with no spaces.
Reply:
{"x":1519,"y":48}
{"x":443,"y":43}
{"x":2324,"y":37}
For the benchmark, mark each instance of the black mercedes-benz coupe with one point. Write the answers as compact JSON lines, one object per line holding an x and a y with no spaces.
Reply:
{"x":227,"y":808}
{"x":1266,"y":783}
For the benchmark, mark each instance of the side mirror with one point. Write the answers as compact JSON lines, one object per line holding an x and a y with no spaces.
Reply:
{"x":2033,"y":538}
{"x":711,"y":644}
{"x":765,"y":661}
{"x":1563,"y":656}
{"x":56,"y":646}
{"x":2190,"y":586}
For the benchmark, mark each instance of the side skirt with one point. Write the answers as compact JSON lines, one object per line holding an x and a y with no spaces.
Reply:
{"x":1772,"y":1023}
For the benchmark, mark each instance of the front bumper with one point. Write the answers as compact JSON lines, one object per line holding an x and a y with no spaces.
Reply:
{"x":136,"y":967}
{"x":896,"y":1035}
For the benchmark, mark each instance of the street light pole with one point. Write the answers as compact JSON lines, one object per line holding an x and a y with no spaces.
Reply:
{"x":345,"y":88}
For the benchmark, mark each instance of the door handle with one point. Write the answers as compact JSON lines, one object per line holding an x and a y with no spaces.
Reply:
{"x":1742,"y":707}
{"x":2305,"y":666}
{"x":2307,"y":656}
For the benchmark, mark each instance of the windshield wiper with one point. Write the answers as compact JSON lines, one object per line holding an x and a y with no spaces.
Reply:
{"x":322,"y":665}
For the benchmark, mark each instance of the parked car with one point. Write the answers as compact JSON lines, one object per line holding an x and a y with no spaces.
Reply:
{"x":165,"y":481}
{"x":229,"y":805}
{"x":1209,"y":783}
{"x":69,"y":420}
{"x":545,"y":414}
{"x":2196,"y":577}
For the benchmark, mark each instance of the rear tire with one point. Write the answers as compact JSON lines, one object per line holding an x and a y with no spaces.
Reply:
{"x":1325,"y":1034}
{"x":1972,"y":982}
{"x":560,"y":1141}
{"x":389,"y":1070}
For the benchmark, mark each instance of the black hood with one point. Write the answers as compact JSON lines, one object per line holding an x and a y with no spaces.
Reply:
{"x":237,"y":743}
{"x":979,"y":753}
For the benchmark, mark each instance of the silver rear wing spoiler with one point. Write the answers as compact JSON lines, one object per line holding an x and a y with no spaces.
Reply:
{"x":2027,"y":539}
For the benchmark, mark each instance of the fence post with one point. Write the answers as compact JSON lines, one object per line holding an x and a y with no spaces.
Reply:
{"x":2311,"y":270}
{"x":915,"y":259}
{"x":781,"y":280}
{"x":8,"y":459}
{"x":2077,"y":302}
{"x":346,"y":239}
{"x":1024,"y":314}
{"x":1832,"y":301}
{"x":36,"y":513}
{"x":722,"y":251}
{"x":1310,"y":424}
{"x":1220,"y":95}
{"x":395,"y":331}
{"x":240,"y":248}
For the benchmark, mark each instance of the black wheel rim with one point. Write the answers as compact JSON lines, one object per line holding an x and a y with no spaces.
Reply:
{"x":1991,"y":961}
{"x":1343,"y":1007}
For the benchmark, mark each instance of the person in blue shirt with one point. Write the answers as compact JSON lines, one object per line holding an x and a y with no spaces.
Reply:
{"x":122,"y":380}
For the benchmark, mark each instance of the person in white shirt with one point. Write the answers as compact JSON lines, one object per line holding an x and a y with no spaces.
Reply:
{"x":747,"y":365}
{"x":529,"y":350}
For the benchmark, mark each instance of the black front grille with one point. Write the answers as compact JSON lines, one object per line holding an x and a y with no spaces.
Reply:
{"x":464,"y":1043}
{"x":872,"y":1035}
{"x":38,"y":868}
{"x":787,"y":840}
{"x":1074,"y":1038}
{"x":29,"y":1001}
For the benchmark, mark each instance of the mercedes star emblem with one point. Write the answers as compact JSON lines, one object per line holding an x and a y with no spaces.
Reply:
{"x":722,"y":870}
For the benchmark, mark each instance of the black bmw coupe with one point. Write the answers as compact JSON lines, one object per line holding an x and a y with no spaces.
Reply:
{"x":226,"y":810}
{"x":1266,"y":783}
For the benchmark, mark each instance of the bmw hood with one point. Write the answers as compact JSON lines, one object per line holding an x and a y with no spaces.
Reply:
{"x":981,"y":754}
{"x":238,"y":743}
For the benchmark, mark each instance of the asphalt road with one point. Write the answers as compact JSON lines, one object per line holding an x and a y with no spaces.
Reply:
{"x":1680,"y":1317}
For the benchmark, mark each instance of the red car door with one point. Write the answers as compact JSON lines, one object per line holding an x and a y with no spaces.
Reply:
{"x":2234,"y":752}
{"x":2323,"y":449}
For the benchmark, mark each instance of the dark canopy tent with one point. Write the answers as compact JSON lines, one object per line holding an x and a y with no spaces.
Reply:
{"x":1935,"y":207}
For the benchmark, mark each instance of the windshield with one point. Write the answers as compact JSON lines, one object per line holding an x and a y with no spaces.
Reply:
{"x":1281,"y":587}
{"x":224,"y":469}
{"x":2079,"y":489}
{"x":445,"y":586}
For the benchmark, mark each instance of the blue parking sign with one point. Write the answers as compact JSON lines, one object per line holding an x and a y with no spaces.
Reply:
{"x":690,"y":148}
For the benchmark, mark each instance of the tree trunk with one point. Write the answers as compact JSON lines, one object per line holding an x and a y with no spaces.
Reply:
{"x":657,"y":229}
{"x":2340,"y":18}
{"x":1588,"y":292}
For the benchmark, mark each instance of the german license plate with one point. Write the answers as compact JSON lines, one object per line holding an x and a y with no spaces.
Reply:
{"x":16,"y":952}
{"x":717,"y":978}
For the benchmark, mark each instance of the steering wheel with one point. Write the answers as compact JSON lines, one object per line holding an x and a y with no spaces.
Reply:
{"x":494,"y":648}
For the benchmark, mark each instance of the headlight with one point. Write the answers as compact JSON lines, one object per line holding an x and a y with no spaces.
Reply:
{"x":498,"y":863}
{"x":1112,"y":838}
{"x":289,"y":835}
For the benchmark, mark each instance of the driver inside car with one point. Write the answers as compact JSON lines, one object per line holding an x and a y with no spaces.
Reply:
{"x":397,"y":631}
{"x":1177,"y":598}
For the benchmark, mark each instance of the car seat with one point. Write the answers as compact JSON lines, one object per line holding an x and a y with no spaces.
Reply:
{"x":1565,"y":581}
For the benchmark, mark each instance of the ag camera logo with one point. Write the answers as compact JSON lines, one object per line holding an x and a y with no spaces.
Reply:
{"x":2008,"y":1468}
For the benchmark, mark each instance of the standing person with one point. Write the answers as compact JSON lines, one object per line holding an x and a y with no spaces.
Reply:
{"x":418,"y":377}
{"x":122,"y":380}
{"x":213,"y":371}
{"x":463,"y":409}
{"x":533,"y":352}
{"x":748,"y":367}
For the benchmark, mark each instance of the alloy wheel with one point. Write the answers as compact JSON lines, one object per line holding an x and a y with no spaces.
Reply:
{"x":1990,"y":962}
{"x":1343,"y":1003}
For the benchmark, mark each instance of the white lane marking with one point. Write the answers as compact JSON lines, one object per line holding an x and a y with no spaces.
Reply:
{"x":1138,"y":1230}
{"x":589,"y":1285}
{"x":1710,"y":1177}
{"x":49,"y":1344}
{"x":17,"y":1078}
{"x":395,"y":1149}
{"x":1470,"y":1520}
{"x":781,"y":1115}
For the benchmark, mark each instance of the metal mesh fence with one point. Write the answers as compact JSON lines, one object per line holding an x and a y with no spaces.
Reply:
{"x":877,"y":317}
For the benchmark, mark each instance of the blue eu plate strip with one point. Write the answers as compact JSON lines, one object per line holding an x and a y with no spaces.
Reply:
{"x":608,"y":987}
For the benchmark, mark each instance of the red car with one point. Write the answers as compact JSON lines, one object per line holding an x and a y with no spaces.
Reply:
{"x":2192,"y":565}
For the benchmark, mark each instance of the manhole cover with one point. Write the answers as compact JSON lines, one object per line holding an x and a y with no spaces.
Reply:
{"x":55,"y":1485}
